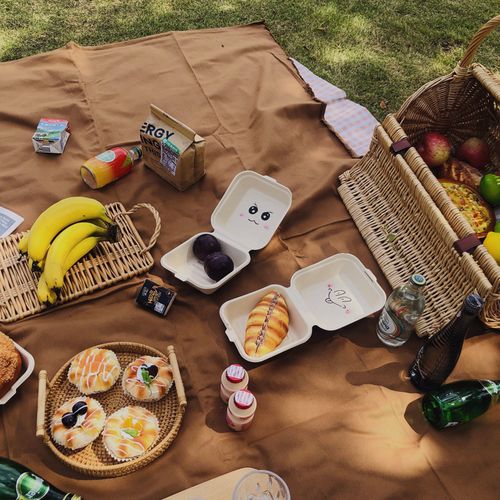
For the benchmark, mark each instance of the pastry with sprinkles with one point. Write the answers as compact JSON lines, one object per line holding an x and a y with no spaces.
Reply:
{"x":130,"y":432}
{"x":148,"y":378}
{"x":77,"y":423}
{"x":94,"y":370}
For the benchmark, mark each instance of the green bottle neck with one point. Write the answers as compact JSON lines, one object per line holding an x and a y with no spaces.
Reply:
{"x":493,"y":387}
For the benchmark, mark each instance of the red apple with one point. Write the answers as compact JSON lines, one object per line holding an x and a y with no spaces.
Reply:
{"x":434,"y":148}
{"x":474,"y":151}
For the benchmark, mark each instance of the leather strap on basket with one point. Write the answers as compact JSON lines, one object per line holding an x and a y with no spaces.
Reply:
{"x":475,"y":43}
{"x":156,"y":215}
{"x":400,"y":147}
{"x":467,"y":244}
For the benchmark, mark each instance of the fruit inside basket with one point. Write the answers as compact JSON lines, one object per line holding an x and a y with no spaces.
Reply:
{"x":433,"y":236}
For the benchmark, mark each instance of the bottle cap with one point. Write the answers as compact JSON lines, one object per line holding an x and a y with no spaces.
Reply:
{"x":418,"y":279}
{"x":473,"y":303}
{"x":136,"y":152}
{"x":235,"y":373}
{"x":243,"y":399}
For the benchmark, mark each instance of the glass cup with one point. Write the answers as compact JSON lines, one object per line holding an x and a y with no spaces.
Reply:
{"x":261,"y":485}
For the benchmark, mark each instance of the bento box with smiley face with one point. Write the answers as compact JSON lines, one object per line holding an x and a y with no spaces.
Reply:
{"x":245,"y":219}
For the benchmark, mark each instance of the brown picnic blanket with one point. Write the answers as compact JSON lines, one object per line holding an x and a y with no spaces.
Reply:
{"x":335,"y":417}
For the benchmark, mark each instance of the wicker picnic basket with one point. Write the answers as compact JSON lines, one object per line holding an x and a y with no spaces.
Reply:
{"x":106,"y":265}
{"x":402,"y":211}
{"x":93,"y":460}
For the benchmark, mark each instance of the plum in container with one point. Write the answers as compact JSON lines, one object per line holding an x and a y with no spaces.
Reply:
{"x":245,"y":219}
{"x":330,"y":294}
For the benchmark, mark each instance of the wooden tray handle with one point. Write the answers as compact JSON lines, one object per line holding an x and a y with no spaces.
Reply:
{"x":179,"y":386}
{"x":156,"y":215}
{"x":42,"y":398}
{"x":476,"y":42}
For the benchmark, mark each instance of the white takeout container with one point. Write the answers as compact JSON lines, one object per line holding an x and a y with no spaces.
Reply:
{"x":28,"y":366}
{"x":237,"y":225}
{"x":331,"y":294}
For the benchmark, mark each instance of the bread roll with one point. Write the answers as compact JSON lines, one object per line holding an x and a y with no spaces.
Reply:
{"x":10,"y":364}
{"x":267,"y":325}
{"x":462,"y":172}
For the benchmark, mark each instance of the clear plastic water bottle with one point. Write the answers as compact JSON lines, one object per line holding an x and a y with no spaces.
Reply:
{"x":401,"y":311}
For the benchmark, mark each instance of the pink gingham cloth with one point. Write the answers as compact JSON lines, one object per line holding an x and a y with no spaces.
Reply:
{"x":352,"y":123}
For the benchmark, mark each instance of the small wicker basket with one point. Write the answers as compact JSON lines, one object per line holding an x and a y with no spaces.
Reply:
{"x":93,"y":460}
{"x":107,"y":264}
{"x":402,"y":211}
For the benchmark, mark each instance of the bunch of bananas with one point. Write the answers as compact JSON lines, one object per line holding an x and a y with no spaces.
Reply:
{"x":60,"y":237}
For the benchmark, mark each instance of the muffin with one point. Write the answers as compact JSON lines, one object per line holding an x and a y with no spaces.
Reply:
{"x":94,"y":370}
{"x":129,"y":432}
{"x":148,"y":378}
{"x":77,"y":423}
{"x":10,"y":364}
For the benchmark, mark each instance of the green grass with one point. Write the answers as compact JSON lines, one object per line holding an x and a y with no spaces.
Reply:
{"x":379,"y":51}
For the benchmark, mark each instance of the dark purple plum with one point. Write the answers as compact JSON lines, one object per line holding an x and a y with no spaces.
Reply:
{"x":204,"y":245}
{"x":218,"y":265}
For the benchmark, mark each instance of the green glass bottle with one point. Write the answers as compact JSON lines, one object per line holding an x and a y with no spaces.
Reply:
{"x":19,"y":483}
{"x":459,"y":402}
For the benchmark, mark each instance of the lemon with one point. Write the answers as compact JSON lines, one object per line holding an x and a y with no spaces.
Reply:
{"x":492,"y":244}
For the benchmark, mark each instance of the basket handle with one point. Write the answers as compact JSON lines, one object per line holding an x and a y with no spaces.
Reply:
{"x":42,"y":398}
{"x":489,"y":314}
{"x":179,"y":386}
{"x":156,"y":215}
{"x":476,"y":42}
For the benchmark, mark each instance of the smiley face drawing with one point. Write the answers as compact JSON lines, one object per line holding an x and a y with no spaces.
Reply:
{"x":257,"y":216}
{"x":338,"y":297}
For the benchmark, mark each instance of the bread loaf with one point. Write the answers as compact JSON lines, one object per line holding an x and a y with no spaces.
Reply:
{"x":267,"y":325}
{"x":462,"y":172}
{"x":10,"y":364}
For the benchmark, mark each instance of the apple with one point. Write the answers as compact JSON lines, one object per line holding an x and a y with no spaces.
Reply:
{"x":474,"y":151}
{"x":434,"y":148}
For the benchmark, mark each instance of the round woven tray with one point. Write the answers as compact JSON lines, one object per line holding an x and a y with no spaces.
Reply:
{"x":94,"y":460}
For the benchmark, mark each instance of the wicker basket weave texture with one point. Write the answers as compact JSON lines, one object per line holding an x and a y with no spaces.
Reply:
{"x":94,"y":460}
{"x":462,"y":104}
{"x":107,"y":264}
{"x":387,"y":201}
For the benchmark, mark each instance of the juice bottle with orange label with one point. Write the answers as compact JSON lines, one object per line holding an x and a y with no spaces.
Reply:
{"x":108,"y":166}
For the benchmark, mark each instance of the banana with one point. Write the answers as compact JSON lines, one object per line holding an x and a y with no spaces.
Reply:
{"x":45,"y":294}
{"x":58,"y":216}
{"x":79,"y":250}
{"x":23,"y":244}
{"x":62,"y":245}
{"x":38,"y":267}
{"x":99,"y":222}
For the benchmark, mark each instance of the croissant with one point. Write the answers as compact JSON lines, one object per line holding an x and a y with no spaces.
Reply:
{"x":267,"y":325}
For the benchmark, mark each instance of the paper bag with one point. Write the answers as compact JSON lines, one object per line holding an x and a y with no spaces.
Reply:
{"x":172,"y":150}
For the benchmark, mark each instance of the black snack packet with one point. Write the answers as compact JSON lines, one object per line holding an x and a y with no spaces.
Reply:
{"x":155,"y":298}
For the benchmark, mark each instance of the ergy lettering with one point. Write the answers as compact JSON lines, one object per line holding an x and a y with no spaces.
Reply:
{"x":159,"y":133}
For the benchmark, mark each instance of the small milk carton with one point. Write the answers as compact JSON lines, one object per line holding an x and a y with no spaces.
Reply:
{"x":172,"y":150}
{"x":51,"y":135}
